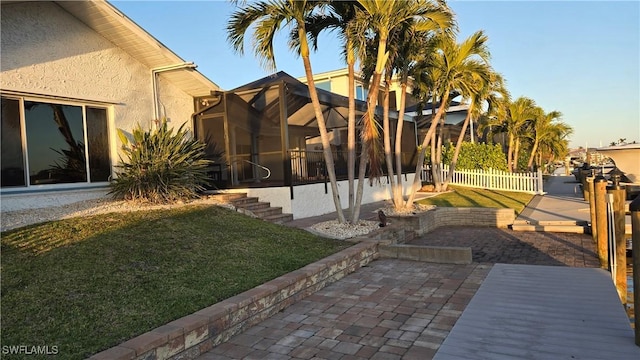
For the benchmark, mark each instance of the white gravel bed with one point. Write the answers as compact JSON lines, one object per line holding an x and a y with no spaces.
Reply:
{"x":15,"y":219}
{"x":334,"y":230}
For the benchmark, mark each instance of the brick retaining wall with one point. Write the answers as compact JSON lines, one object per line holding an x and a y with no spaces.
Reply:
{"x":195,"y":334}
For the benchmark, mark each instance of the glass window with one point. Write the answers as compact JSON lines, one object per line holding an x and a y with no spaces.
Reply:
{"x":58,"y":138}
{"x":361,"y":92}
{"x":324,"y":85}
{"x":12,"y":154}
{"x":98,"y":141}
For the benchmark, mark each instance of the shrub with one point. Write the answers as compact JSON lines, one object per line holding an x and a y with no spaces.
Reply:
{"x":161,"y":166}
{"x":476,"y":156}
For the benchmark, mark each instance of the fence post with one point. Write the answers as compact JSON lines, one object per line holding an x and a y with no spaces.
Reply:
{"x":592,"y":208}
{"x":618,"y":192}
{"x":600,"y":191}
{"x":540,"y":182}
{"x":634,"y":208}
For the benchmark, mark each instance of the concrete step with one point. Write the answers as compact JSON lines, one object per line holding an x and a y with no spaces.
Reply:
{"x":262,"y":213}
{"x":252,"y":206}
{"x":244,"y":201}
{"x":279,"y":218}
{"x":575,"y":229}
{"x":226,"y":197}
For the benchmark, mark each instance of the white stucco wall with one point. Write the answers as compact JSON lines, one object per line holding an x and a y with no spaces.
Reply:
{"x":311,"y":200}
{"x":48,"y":52}
{"x":45,"y":50}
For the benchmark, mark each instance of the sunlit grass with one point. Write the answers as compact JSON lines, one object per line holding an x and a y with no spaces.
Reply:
{"x":474,"y":197}
{"x":89,"y":283}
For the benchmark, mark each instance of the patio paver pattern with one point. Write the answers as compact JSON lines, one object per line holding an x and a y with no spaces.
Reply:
{"x":395,"y":309}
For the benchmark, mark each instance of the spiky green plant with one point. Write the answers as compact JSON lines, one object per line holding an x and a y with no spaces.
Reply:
{"x":161,"y":166}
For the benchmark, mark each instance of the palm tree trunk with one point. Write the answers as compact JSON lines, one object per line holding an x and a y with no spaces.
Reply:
{"x":510,"y":153}
{"x":326,"y":147}
{"x":435,"y":169}
{"x":533,"y":154}
{"x":427,"y":137}
{"x":456,"y":152}
{"x":351,"y":131}
{"x":438,"y":152}
{"x":397,"y":193}
{"x":386,"y":131}
{"x":516,"y":154}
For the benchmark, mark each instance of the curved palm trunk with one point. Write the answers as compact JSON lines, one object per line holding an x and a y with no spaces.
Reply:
{"x":369,"y":131}
{"x":326,"y":147}
{"x":387,"y":139}
{"x":456,"y":152}
{"x":416,"y":181}
{"x":398,"y":200}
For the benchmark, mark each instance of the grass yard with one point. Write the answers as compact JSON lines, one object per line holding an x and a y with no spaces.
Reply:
{"x":87,"y":284}
{"x":472,"y":197}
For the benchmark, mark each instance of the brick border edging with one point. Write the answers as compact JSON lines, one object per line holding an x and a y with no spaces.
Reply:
{"x":195,"y":334}
{"x":428,"y":221}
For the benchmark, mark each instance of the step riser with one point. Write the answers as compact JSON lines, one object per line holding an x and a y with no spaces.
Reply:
{"x":261,"y":210}
{"x":552,"y":228}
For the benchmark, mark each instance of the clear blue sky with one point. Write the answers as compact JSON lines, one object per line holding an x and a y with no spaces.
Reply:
{"x":581,"y":58}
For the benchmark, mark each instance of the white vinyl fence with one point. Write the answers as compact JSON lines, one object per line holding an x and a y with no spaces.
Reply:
{"x":530,"y":182}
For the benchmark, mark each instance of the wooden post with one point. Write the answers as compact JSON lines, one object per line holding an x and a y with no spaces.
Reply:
{"x":619,"y":195}
{"x":592,"y":208}
{"x":600,"y":192}
{"x":634,"y":208}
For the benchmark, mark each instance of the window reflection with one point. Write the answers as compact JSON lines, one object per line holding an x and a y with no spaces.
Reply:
{"x":55,"y":154}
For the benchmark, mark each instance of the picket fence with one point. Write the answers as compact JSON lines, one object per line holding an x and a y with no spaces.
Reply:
{"x":529,"y":182}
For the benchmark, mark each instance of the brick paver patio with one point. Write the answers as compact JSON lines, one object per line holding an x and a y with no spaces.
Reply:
{"x":395,"y":309}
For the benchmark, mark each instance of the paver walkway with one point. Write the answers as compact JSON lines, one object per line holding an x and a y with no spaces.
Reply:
{"x":394,"y":309}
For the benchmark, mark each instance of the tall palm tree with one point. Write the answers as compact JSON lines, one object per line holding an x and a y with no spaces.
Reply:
{"x":385,"y":18}
{"x":547,"y":129}
{"x":268,"y":17}
{"x":541,"y":127}
{"x":341,"y":18}
{"x":486,"y":92}
{"x":519,"y":112}
{"x":454,"y":67}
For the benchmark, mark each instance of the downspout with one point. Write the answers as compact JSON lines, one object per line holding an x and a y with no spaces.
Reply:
{"x":154,"y":82}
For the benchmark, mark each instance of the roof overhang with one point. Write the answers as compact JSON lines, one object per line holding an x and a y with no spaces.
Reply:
{"x":123,"y":32}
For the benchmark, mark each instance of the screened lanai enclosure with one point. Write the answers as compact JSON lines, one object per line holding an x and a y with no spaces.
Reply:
{"x":265,"y":134}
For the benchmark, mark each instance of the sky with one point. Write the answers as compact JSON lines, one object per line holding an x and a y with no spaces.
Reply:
{"x":581,"y":58}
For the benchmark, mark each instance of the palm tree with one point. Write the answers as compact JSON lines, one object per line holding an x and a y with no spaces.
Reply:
{"x":549,"y":137}
{"x":455,"y":66}
{"x":519,"y":112}
{"x":542,"y":125}
{"x":341,"y":18}
{"x":384,"y":19}
{"x":487,"y":92}
{"x":268,"y":17}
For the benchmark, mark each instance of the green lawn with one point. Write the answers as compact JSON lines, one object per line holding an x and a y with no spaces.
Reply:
{"x":472,"y":197}
{"x":89,"y":283}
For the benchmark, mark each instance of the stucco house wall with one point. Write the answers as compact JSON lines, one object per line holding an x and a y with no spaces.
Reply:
{"x":49,"y":54}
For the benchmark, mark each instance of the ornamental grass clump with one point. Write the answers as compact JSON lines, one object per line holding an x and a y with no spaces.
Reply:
{"x":160,"y":166}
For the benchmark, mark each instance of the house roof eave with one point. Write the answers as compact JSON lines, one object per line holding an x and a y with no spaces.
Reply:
{"x":116,"y":27}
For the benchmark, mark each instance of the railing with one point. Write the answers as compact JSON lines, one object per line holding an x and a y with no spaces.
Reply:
{"x":243,"y":170}
{"x":530,"y":182}
{"x":309,"y":165}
